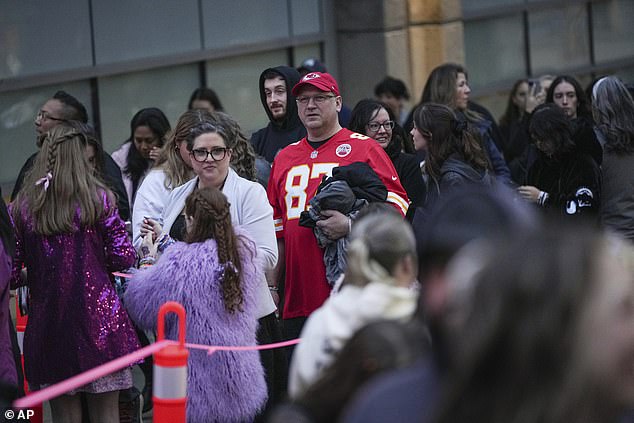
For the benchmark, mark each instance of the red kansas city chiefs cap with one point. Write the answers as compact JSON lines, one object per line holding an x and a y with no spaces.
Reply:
{"x":320,"y":80}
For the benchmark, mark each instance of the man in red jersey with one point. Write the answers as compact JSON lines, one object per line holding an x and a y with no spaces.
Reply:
{"x":297,"y":171}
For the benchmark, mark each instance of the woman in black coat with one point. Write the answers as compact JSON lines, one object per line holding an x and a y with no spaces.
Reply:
{"x":565,"y":179}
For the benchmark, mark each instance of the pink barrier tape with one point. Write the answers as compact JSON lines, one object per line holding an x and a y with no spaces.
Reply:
{"x":122,"y":275}
{"x":212,"y":349}
{"x":91,"y":375}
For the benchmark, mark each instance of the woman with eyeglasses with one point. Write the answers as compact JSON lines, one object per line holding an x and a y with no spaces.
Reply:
{"x":172,"y":169}
{"x":211,"y":150}
{"x":214,"y":274}
{"x":376,"y":120}
{"x":148,"y":130}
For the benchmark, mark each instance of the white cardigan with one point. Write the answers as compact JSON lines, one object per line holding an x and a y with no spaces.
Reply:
{"x":250,"y":209}
{"x":150,"y":200}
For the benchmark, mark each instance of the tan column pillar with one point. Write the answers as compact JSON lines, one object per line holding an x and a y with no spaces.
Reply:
{"x":372,"y":42}
{"x":435,"y":37}
{"x":405,"y":39}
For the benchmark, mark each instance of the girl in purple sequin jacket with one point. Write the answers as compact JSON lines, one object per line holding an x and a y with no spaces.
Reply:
{"x":214,"y":274}
{"x":69,"y":237}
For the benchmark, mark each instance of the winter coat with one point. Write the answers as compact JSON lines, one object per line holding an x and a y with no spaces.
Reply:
{"x":227,"y":386}
{"x":573,"y":183}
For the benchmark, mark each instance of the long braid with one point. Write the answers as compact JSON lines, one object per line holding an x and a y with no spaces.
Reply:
{"x":47,"y":219}
{"x":52,"y":156}
{"x":61,"y":183}
{"x":222,"y":231}
{"x":228,"y":257}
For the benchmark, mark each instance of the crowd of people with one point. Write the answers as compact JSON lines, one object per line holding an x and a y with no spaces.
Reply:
{"x":437,"y":265}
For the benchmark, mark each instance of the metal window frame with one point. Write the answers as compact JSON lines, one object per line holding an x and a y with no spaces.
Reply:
{"x":593,"y":69}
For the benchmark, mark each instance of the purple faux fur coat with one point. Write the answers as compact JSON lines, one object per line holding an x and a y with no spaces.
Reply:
{"x":226,"y":386}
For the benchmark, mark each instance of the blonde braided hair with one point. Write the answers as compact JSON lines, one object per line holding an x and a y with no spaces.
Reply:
{"x":73,"y":186}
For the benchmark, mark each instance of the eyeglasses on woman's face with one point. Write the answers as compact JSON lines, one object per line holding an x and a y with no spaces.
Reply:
{"x":375,"y":126}
{"x":217,"y":154}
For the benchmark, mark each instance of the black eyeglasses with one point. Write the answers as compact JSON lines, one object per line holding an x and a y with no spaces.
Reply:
{"x":318,"y":99}
{"x":375,"y":126}
{"x":42,"y":115}
{"x":217,"y":154}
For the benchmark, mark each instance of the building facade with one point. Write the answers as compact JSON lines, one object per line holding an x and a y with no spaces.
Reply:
{"x":119,"y":56}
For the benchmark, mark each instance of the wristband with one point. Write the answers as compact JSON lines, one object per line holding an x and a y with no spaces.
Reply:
{"x":147,"y":261}
{"x":273,"y":288}
{"x":163,"y":242}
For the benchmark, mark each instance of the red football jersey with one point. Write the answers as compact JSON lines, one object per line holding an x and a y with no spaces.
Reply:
{"x":297,"y":172}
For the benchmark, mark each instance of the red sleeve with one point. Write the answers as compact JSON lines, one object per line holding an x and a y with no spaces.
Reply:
{"x":382,"y":165}
{"x":272,"y":192}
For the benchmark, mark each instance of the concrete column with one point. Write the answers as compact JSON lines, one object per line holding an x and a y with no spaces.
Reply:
{"x":405,"y":39}
{"x":436,"y":37}
{"x":372,"y":41}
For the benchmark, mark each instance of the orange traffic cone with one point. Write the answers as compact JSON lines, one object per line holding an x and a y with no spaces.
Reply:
{"x":170,"y":371}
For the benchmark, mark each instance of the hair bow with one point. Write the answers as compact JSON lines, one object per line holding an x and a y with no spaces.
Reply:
{"x":46,"y":180}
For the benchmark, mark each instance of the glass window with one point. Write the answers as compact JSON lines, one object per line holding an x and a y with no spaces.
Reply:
{"x":126,"y":30}
{"x":613,"y":29}
{"x":302,"y":53}
{"x":494,"y":49}
{"x":626,"y":75}
{"x":559,"y":39}
{"x":243,"y":21}
{"x":305,"y":17}
{"x":236,"y":81}
{"x":17,"y":132}
{"x":39,"y":37}
{"x":477,"y":5}
{"x":495,"y":102}
{"x":121,"y":96}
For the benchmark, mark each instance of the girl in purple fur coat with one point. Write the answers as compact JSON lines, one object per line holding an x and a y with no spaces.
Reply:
{"x":214,"y":275}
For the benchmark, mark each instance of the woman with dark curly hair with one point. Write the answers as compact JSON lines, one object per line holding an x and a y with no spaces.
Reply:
{"x":214,"y":275}
{"x":564,"y":179}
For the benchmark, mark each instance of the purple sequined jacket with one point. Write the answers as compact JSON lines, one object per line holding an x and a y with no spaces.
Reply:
{"x":76,"y":320}
{"x":226,"y":386}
